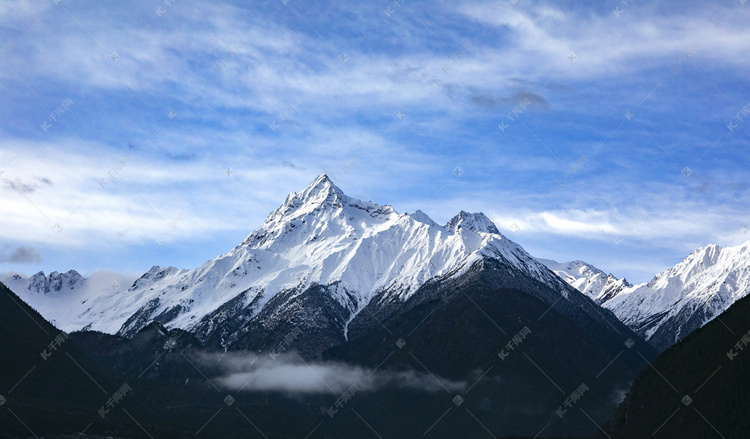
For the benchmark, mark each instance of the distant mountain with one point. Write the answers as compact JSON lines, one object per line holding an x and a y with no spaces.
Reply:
{"x":687,"y":296}
{"x":698,"y":388}
{"x":675,"y":302}
{"x":55,"y":282}
{"x":588,"y":279}
{"x":62,"y":298}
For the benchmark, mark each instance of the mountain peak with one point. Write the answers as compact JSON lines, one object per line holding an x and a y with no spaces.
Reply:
{"x":322,"y":182}
{"x":40,"y":283}
{"x":422,"y":217}
{"x":476,"y":221}
{"x":319,"y":191}
{"x":323,"y":177}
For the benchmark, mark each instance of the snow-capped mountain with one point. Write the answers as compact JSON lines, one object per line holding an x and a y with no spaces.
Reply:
{"x":588,"y":279}
{"x":324,"y":257}
{"x":60,"y":297}
{"x":43,"y":284}
{"x":331,"y":279}
{"x":318,"y":236}
{"x":687,"y":296}
{"x":676,"y":301}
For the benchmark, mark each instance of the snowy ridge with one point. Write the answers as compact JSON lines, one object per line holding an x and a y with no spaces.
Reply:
{"x":676,"y":301}
{"x":318,"y":236}
{"x":356,"y":251}
{"x":704,"y":284}
{"x":588,"y":279}
{"x":62,"y":297}
{"x":43,"y":284}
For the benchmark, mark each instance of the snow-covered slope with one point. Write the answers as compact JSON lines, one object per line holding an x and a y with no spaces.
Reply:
{"x":43,"y":284}
{"x":318,"y":236}
{"x":676,"y":301}
{"x":588,"y":279}
{"x":61,"y":297}
{"x":358,"y":251}
{"x":687,"y":296}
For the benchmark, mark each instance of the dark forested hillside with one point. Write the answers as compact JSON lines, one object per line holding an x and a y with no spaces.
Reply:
{"x":699,"y":388}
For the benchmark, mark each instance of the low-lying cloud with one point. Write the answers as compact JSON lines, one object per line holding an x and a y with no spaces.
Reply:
{"x":290,"y":374}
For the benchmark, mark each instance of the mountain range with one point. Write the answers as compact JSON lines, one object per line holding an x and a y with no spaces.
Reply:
{"x":357,"y":252}
{"x":319,"y":239}
{"x":676,"y":301}
{"x":433,"y":325}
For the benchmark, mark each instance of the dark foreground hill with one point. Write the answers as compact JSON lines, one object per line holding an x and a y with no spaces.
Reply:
{"x":561,"y":378}
{"x":48,"y":386}
{"x":698,"y":388}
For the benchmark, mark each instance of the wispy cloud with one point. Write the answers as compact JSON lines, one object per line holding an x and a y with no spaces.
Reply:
{"x":189,"y":122}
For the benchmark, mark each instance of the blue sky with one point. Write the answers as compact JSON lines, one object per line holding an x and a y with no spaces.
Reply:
{"x":162,"y":133}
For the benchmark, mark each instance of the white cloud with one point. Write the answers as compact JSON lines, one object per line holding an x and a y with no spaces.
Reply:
{"x":137,"y":197}
{"x":132,"y":201}
{"x":655,"y":225}
{"x":577,"y":223}
{"x":613,"y":45}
